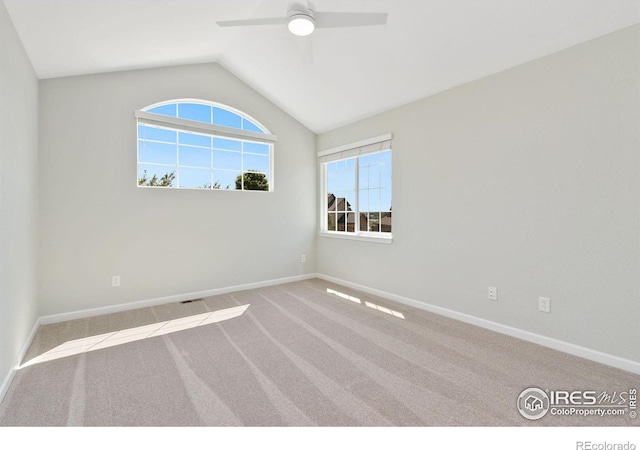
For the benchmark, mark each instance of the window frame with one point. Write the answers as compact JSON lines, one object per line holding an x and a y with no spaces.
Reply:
{"x":181,"y":125}
{"x":350,"y":150}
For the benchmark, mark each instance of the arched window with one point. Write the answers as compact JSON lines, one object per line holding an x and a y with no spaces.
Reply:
{"x":197,"y":144}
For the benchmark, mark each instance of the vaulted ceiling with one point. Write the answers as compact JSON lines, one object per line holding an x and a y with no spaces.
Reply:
{"x":336,"y":75}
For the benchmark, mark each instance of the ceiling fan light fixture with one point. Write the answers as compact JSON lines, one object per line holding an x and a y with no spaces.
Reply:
{"x":301,"y":24}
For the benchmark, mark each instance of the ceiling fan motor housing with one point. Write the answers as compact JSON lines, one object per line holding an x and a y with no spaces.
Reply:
{"x":301,"y":20}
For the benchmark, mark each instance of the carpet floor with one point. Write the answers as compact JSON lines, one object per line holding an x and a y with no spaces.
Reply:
{"x":309,"y":353}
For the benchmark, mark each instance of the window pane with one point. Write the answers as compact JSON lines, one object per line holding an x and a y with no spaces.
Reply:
{"x":341,"y":219}
{"x":340,"y":202}
{"x":385,"y":222}
{"x":350,"y":180}
{"x":374,"y":222}
{"x":194,"y":178}
{"x":195,"y":139}
{"x":331,"y":201}
{"x":227,"y":160}
{"x":364,"y":222}
{"x":332,"y":182}
{"x":255,"y":181}
{"x":150,"y":175}
{"x":160,"y":134}
{"x":340,"y":179}
{"x":385,"y":157}
{"x":250,"y":126}
{"x":331,"y":221}
{"x":351,"y":163}
{"x":363,"y":199}
{"x":385,"y":176}
{"x":195,"y":156}
{"x":227,"y":144}
{"x":165,"y":110}
{"x":154,"y":152}
{"x":374,"y":200}
{"x":374,"y":159}
{"x":255,"y":147}
{"x":351,"y":222}
{"x":194,"y":111}
{"x":364,"y":177}
{"x":256,"y":163}
{"x":226,"y":118}
{"x":374,"y":177}
{"x":350,"y":196}
{"x":385,"y":200}
{"x":225,"y":179}
{"x":142,"y":132}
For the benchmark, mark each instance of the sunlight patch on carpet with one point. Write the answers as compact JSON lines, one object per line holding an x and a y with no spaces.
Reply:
{"x":369,"y":304}
{"x":107,"y":340}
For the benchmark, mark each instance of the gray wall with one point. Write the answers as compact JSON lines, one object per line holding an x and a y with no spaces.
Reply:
{"x":528,"y":180}
{"x":95,"y":222}
{"x":18,"y":195}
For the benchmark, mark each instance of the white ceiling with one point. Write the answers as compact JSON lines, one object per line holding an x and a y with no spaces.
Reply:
{"x":331,"y":78}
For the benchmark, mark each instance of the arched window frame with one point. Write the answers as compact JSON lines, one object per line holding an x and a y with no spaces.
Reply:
{"x":182,"y":125}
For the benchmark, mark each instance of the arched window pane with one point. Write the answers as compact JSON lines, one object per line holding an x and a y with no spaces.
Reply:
{"x":226,"y":118}
{"x":195,"y":111}
{"x":250,"y":126}
{"x":165,"y":110}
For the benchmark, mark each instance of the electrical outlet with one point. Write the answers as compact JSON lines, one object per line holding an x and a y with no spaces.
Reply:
{"x":544,"y":304}
{"x":115,"y":281}
{"x":303,"y":258}
{"x":493,"y":293}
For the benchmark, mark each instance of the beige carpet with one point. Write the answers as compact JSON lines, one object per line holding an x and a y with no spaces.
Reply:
{"x":302,"y":354}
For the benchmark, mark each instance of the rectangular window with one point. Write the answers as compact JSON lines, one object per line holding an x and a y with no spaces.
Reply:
{"x":201,"y":149}
{"x":356,"y":190}
{"x":198,"y":161}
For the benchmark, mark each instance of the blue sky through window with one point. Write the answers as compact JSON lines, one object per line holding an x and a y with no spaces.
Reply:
{"x":374,"y":181}
{"x":226,"y":118}
{"x":194,"y":111}
{"x":165,"y":110}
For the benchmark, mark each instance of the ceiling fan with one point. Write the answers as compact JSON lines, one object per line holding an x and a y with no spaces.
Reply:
{"x":302,"y":20}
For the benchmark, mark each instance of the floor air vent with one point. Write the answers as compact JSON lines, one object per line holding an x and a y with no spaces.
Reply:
{"x":191,"y":301}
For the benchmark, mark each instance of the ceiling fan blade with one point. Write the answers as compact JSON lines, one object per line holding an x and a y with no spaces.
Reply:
{"x":305,"y":48}
{"x":248,"y":22}
{"x":346,"y":19}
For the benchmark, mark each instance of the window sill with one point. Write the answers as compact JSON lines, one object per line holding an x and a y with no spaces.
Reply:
{"x":173,"y":188}
{"x":388,"y":239}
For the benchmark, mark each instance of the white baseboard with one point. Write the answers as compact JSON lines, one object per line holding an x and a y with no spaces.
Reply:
{"x":169,"y":299}
{"x":4,"y":387}
{"x":566,"y":347}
